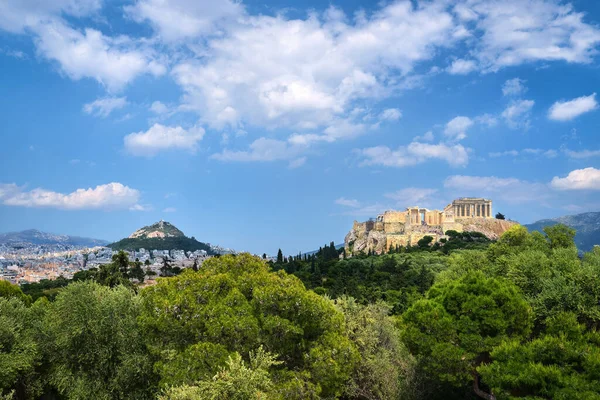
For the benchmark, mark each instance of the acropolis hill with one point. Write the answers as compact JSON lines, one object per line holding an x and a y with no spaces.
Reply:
{"x":402,"y":228}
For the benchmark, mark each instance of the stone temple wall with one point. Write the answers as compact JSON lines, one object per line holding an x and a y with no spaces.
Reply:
{"x":402,"y":228}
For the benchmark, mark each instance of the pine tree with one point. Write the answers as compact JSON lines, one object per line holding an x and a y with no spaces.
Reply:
{"x":279,"y":256}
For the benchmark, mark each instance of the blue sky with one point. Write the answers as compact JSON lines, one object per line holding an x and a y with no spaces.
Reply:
{"x":259,"y":125}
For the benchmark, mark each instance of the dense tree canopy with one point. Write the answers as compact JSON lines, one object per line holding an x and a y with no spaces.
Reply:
{"x":514,"y":318}
{"x":235,"y":304}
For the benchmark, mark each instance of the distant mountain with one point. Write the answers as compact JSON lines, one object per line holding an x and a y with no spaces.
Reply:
{"x":35,"y":237}
{"x":587,"y":226}
{"x":160,"y":236}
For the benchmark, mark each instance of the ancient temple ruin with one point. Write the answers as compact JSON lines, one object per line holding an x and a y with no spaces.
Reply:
{"x":402,"y":228}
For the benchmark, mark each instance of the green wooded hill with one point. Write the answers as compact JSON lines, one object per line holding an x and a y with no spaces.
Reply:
{"x":168,"y":243}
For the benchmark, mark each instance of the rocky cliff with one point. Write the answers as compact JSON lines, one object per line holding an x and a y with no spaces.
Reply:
{"x":363,"y":238}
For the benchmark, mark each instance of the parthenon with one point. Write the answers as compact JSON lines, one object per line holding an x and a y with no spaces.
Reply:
{"x":464,"y":207}
{"x":401,"y":228}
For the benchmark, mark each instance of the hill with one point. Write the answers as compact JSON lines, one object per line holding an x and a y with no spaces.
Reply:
{"x":161,"y":235}
{"x":587,"y":226}
{"x":161,"y":229}
{"x":36,"y":237}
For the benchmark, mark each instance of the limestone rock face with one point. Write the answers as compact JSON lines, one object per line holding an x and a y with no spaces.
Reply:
{"x":492,"y":228}
{"x":161,"y":229}
{"x":366,"y":237}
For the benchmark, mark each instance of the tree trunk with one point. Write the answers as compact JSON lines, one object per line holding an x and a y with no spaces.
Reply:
{"x":478,"y":391}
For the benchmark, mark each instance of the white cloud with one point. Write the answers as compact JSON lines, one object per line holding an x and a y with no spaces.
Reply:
{"x":302,"y":73}
{"x":510,"y":190}
{"x":427,"y":137}
{"x":568,"y":110}
{"x":457,"y":128}
{"x":487,"y":120}
{"x":179,"y":19}
{"x":514,"y":87}
{"x":579,"y":179}
{"x":412,"y":196}
{"x":413,"y":154}
{"x":353,"y":203}
{"x":104,"y":106}
{"x":518,"y":113}
{"x":113,"y":62}
{"x":462,"y":67}
{"x":514,"y":32}
{"x":582,"y":154}
{"x":159,"y":108}
{"x":159,"y":138}
{"x":390,"y":114}
{"x":170,"y":210}
{"x":16,"y":15}
{"x":111,"y":196}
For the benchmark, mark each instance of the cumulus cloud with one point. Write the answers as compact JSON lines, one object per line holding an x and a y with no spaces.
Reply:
{"x":111,"y":196}
{"x":180,"y":19}
{"x":390,"y":114}
{"x":487,"y":120}
{"x":302,"y":73}
{"x":427,"y":137}
{"x":579,"y":179}
{"x":105,"y":106}
{"x":513,"y":32}
{"x":462,"y":67}
{"x":457,"y":128}
{"x":17,"y":15}
{"x":518,"y":114}
{"x":160,"y":138}
{"x":413,"y":154}
{"x":568,"y":110}
{"x":113,"y":62}
{"x":159,"y":108}
{"x":514,"y":87}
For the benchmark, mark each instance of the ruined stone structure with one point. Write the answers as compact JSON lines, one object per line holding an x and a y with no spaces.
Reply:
{"x":402,"y":228}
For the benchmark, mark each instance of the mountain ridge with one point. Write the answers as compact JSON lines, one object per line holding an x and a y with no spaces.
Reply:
{"x":37,"y":237}
{"x":587,"y":226}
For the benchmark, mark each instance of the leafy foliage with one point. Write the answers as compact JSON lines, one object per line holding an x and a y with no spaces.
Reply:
{"x":236,"y":303}
{"x":19,"y":353}
{"x":235,"y":381}
{"x":94,"y":345}
{"x":459,"y":323}
{"x":8,"y":290}
{"x":563,"y":363}
{"x":386,"y":368}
